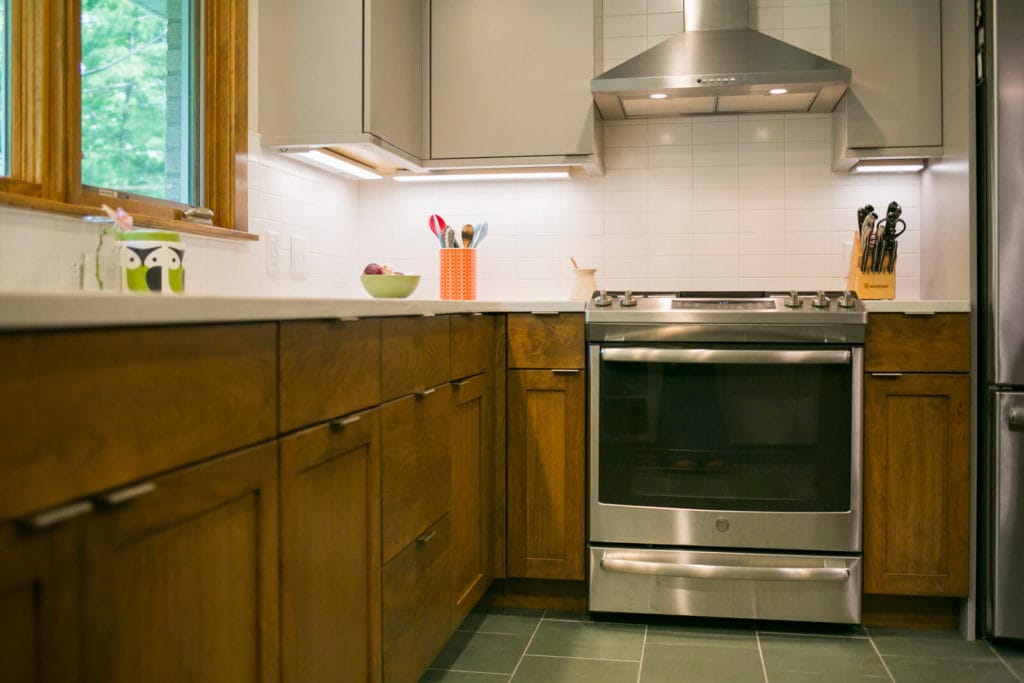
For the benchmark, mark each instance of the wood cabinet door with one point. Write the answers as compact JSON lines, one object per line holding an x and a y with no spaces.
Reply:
{"x":181,"y":583}
{"x":414,"y":354}
{"x":472,"y":506}
{"x":917,"y":484}
{"x":330,"y":552}
{"x":38,"y":606}
{"x":546,"y":341}
{"x":417,"y":604}
{"x":416,"y":470}
{"x":546,"y":466}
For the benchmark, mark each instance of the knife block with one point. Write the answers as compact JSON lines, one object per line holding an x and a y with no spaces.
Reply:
{"x":868,"y":285}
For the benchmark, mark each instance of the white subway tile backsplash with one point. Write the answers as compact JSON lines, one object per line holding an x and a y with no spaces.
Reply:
{"x":716,"y":199}
{"x":621,"y":49}
{"x":625,"y":25}
{"x":626,"y":157}
{"x":806,"y":16}
{"x":656,"y":6}
{"x":671,"y":156}
{"x":664,"y":23}
{"x":716,"y":130}
{"x":762,"y":175}
{"x":715,"y":155}
{"x":754,"y":198}
{"x":716,"y":176}
{"x":762,"y":130}
{"x":670,"y":132}
{"x":809,"y":128}
{"x":624,"y":135}
{"x":761,"y":153}
{"x":618,"y":7}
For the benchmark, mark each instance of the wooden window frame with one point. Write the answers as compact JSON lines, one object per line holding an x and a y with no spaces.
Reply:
{"x":46,"y":136}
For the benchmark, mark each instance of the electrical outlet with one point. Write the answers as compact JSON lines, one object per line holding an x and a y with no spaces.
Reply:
{"x":272,"y":251}
{"x":300,"y":248}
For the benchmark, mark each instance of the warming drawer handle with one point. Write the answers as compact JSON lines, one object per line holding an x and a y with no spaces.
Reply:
{"x":726,"y":572}
{"x":727,"y":356}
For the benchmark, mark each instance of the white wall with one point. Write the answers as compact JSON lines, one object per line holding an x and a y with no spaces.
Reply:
{"x":687,"y":203}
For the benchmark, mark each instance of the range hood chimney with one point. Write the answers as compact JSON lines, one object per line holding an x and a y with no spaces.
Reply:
{"x":719,"y":66}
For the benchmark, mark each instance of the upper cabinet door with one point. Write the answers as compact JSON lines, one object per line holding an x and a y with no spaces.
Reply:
{"x":511,"y":79}
{"x":394,"y":72}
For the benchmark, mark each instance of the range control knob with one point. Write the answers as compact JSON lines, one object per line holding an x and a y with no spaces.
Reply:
{"x":821,"y":300}
{"x":846,"y":300}
{"x":794,"y":300}
{"x":602,"y":299}
{"x":628,"y":299}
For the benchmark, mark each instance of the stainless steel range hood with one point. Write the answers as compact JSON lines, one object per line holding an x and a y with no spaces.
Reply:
{"x":717,"y":66}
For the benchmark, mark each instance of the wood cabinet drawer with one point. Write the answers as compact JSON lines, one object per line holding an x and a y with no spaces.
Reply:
{"x":328,"y":368}
{"x":896,"y":342}
{"x":83,"y":411}
{"x":545,"y":341}
{"x":415,"y":466}
{"x":417,"y":605}
{"x":473,"y":338}
{"x":414,"y":354}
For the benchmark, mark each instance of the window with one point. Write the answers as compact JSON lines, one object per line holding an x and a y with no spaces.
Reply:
{"x":138,"y":117}
{"x":139,"y":103}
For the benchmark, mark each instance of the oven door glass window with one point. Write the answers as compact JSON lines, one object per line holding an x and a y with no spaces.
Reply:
{"x":726,"y":431}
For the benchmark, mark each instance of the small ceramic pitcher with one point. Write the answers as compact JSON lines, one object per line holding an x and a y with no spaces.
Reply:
{"x":585,"y":285}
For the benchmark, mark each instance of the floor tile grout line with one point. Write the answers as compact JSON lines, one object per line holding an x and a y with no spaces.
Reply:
{"x":643,"y":652}
{"x":589,"y":659}
{"x":760,"y":654}
{"x":881,"y":658}
{"x":528,"y":643}
{"x":1003,"y":661}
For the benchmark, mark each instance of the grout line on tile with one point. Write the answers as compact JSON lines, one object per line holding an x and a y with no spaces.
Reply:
{"x":1000,"y":658}
{"x":528,"y":643}
{"x":760,"y":653}
{"x":470,"y":671}
{"x":591,"y":659}
{"x":643,"y":652}
{"x":850,"y":636}
{"x":488,"y":633}
{"x":880,"y":657}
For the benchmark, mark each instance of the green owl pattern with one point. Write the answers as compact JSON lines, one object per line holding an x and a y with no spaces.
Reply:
{"x":154,"y":269}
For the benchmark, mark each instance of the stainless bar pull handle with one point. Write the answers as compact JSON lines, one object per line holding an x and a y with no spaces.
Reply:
{"x":1016,"y":419}
{"x":565,"y":371}
{"x":128,"y":493}
{"x":343,"y":422}
{"x":726,"y":356}
{"x":425,"y":538}
{"x":544,"y":312}
{"x":887,"y":375}
{"x":54,"y":516}
{"x":725,"y":572}
{"x":425,"y":392}
{"x":460,"y":383}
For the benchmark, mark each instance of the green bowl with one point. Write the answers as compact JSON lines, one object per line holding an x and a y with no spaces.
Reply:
{"x":390,"y":286}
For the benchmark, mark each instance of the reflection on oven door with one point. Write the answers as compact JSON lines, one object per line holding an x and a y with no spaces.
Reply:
{"x":823,"y":588}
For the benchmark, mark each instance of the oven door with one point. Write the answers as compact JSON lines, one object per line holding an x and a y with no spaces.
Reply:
{"x":728,"y":447}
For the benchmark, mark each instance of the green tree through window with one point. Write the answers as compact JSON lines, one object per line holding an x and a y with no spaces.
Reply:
{"x":138,"y":124}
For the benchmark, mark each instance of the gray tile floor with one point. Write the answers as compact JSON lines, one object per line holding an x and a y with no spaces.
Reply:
{"x":526,"y":645}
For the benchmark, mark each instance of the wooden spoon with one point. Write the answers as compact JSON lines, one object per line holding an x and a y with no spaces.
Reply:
{"x":467,"y":235}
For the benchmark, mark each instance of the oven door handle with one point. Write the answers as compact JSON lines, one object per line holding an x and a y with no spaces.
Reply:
{"x":643,"y":354}
{"x":725,"y":572}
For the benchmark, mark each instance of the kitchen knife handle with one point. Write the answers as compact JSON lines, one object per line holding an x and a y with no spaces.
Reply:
{"x":1016,"y":418}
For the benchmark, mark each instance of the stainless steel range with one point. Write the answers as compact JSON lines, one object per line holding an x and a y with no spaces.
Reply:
{"x":725,"y":454}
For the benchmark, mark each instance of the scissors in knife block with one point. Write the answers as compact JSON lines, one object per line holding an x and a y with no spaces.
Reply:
{"x":890,"y":246}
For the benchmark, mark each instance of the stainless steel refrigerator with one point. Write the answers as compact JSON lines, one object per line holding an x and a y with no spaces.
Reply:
{"x":1001,"y":304}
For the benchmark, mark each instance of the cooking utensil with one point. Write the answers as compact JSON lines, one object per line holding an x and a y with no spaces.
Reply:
{"x":479,"y":233}
{"x":467,"y":235}
{"x":437,"y":226}
{"x":449,"y":238}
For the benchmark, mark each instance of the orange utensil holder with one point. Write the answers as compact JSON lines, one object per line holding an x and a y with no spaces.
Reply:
{"x":458,"y":274}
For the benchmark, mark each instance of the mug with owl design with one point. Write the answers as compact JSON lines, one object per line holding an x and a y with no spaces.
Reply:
{"x":152,"y":261}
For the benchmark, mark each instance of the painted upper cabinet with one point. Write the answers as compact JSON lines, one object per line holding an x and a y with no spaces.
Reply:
{"x":511,"y":79}
{"x":894,"y":105}
{"x":343,"y":72}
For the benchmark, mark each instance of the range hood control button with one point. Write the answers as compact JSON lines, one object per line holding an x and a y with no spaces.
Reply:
{"x":794,"y":300}
{"x":821,"y":301}
{"x":628,"y":299}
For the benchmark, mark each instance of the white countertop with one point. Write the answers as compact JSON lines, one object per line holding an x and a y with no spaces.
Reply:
{"x":34,"y":311}
{"x":924,"y":307}
{"x":42,"y":310}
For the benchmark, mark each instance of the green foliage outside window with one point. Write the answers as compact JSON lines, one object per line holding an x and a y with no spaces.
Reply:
{"x":137,"y":113}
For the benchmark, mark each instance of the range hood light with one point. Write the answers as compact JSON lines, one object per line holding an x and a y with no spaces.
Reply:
{"x":333,"y":162}
{"x":658,"y":96}
{"x":778,"y":91}
{"x":470,"y":176}
{"x":888,"y":166}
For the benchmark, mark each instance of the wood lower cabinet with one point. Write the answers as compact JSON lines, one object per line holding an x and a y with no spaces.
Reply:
{"x":417,"y":604}
{"x":330,"y":551}
{"x":181,"y":582}
{"x":546,"y":494}
{"x":917,"y":484}
{"x":472,"y":511}
{"x":38,"y":605}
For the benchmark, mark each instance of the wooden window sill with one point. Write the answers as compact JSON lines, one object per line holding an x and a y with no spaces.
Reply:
{"x":141,"y":221}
